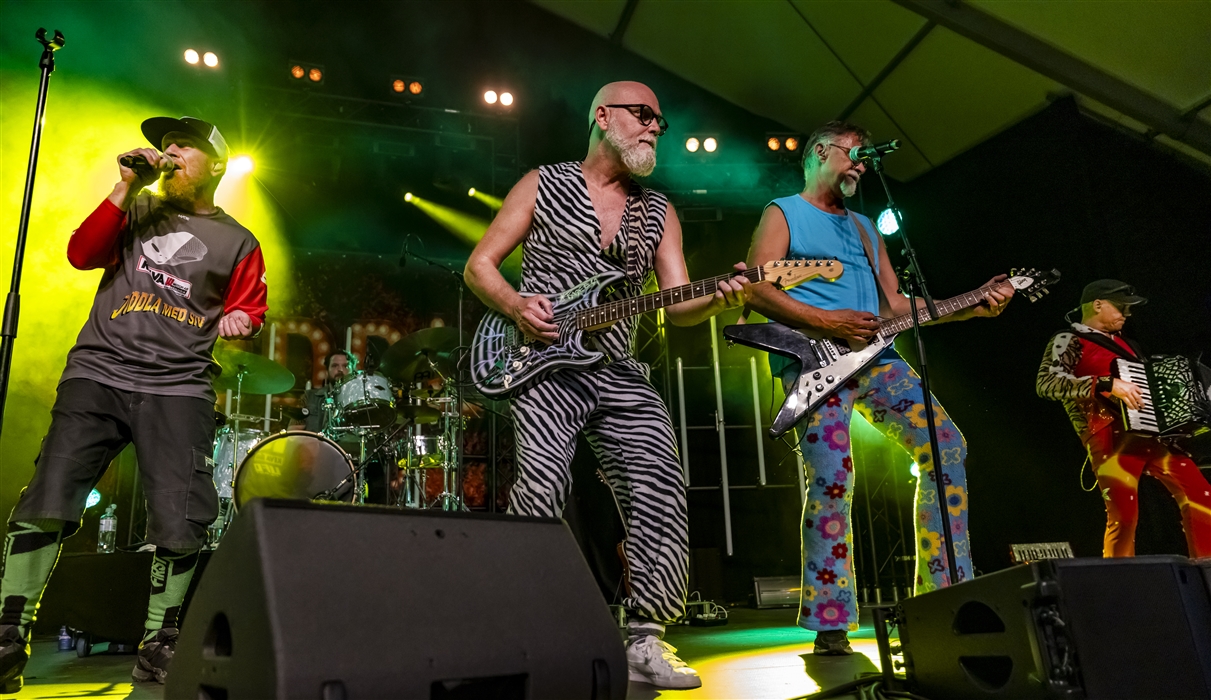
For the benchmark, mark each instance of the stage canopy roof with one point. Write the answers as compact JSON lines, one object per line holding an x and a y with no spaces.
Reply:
{"x":941,"y":75}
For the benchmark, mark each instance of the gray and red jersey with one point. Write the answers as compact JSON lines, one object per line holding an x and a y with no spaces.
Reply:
{"x":169,"y":277}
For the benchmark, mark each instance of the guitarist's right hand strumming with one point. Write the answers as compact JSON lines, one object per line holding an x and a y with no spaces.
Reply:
{"x":535,"y":316}
{"x":860,"y":326}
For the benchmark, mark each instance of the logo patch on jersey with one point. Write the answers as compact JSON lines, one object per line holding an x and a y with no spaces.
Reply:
{"x":164,"y":279}
{"x":174,"y":248}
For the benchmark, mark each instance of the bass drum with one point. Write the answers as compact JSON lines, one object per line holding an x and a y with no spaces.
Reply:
{"x":298,"y":465}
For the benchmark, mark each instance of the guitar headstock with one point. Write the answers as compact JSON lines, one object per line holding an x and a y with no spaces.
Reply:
{"x":789,"y":273}
{"x":1031,"y":283}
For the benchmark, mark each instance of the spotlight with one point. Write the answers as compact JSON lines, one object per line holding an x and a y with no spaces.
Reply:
{"x":398,"y":86}
{"x":297,"y":72}
{"x":415,"y":87}
{"x":210,"y":59}
{"x":691,"y":144}
{"x":490,"y":97}
{"x":887,"y":222}
{"x":506,"y":98}
{"x":471,"y":192}
{"x":915,"y":470}
{"x":709,"y":144}
{"x":240,"y":165}
{"x":315,"y":75}
{"x":191,"y":57}
{"x":792,"y":143}
{"x":773,"y":143}
{"x":407,"y":196}
{"x":94,"y":496}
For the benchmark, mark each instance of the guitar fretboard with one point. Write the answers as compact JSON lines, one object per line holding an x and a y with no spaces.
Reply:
{"x":945,"y":307}
{"x":612,"y":311}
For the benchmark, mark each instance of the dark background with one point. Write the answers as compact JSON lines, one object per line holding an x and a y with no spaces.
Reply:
{"x":1058,"y":190}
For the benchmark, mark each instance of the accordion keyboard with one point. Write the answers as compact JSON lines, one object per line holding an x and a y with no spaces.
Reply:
{"x":1144,"y":419}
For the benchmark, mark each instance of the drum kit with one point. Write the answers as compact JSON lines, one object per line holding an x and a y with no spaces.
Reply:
{"x":403,"y":416}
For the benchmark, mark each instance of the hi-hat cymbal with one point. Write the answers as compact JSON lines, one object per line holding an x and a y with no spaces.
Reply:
{"x":250,"y":373}
{"x":417,"y":411}
{"x":426,"y":352}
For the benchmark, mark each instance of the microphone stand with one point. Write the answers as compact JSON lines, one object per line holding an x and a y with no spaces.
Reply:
{"x":915,"y":282}
{"x":458,"y":378}
{"x":12,"y":304}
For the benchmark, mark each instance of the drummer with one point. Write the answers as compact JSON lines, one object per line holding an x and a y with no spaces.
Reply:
{"x":315,"y":418}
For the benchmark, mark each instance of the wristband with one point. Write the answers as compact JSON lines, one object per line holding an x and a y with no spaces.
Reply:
{"x":1104,"y":385}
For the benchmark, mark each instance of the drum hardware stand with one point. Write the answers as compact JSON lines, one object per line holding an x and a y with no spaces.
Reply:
{"x":226,"y":511}
{"x":12,"y":304}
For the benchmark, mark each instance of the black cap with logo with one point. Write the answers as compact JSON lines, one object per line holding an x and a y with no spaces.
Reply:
{"x":1118,"y":292}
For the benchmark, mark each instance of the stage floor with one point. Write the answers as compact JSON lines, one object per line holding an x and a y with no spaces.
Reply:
{"x":759,"y":654}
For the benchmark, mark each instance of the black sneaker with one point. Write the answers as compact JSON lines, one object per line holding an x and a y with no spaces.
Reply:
{"x":154,"y":656}
{"x":833,"y":643}
{"x":14,"y":653}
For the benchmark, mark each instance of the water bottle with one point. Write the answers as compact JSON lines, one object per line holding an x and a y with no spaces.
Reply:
{"x":108,"y":532}
{"x":65,"y":640}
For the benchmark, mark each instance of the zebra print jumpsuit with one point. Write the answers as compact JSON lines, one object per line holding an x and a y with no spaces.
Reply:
{"x":623,"y":417}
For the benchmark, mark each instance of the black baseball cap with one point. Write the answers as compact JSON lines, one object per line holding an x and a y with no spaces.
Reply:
{"x":156,"y":128}
{"x":1116,"y":291}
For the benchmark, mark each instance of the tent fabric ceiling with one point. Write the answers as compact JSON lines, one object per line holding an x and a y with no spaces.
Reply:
{"x":804,"y":62}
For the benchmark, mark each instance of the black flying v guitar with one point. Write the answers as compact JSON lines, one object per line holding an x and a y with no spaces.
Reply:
{"x":827,"y":363}
{"x":503,"y":360}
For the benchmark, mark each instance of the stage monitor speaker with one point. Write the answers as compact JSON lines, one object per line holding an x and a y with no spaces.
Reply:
{"x":1065,"y":628}
{"x":333,"y":602}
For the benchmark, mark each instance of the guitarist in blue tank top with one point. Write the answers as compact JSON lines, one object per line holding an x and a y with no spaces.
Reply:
{"x":574,"y":221}
{"x":887,"y":392}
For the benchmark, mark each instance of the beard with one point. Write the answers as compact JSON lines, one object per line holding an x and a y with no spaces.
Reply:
{"x":849,"y":188}
{"x":179,"y":189}
{"x":638,"y":160}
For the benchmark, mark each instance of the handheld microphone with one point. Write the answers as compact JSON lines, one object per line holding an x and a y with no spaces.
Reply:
{"x":858,"y":153}
{"x":138,"y":164}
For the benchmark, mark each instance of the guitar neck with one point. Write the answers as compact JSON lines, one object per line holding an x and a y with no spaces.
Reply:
{"x":945,"y":307}
{"x":609,"y":312}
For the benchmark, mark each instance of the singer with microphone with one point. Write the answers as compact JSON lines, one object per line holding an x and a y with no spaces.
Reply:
{"x":177,"y":273}
{"x":815,"y":223}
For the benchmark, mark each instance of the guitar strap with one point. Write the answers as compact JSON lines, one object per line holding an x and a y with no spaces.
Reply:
{"x":867,"y":245}
{"x":634,"y":222}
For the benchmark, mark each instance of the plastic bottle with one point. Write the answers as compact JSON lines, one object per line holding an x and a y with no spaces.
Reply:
{"x":108,"y":532}
{"x":65,"y":640}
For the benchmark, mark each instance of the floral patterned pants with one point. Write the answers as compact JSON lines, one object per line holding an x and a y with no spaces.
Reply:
{"x":889,"y":396}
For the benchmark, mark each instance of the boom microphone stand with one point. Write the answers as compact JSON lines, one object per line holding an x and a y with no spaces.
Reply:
{"x":12,"y":304}
{"x":916,"y":286}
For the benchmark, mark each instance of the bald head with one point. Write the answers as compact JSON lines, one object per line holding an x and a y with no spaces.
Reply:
{"x":623,"y":92}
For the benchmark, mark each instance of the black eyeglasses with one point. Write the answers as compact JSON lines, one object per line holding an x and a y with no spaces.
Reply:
{"x":645,"y":115}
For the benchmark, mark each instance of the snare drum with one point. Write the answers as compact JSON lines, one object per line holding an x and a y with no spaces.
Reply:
{"x":229,"y":451}
{"x":365,"y":400}
{"x":295,"y":464}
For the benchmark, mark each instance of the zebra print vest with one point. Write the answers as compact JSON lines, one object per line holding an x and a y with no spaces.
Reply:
{"x":563,"y":246}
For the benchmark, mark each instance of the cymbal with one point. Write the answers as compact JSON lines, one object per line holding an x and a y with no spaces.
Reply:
{"x":261,"y":375}
{"x":417,"y":411}
{"x":421,"y":352}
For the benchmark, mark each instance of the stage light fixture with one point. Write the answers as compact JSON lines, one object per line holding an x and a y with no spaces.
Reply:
{"x":398,"y":86}
{"x":691,"y":144}
{"x":407,"y":196}
{"x":709,"y":144}
{"x":315,"y":75}
{"x":490,"y":97}
{"x":191,"y":57}
{"x":471,"y":192}
{"x":773,"y":143}
{"x":297,"y":72}
{"x":210,"y":59}
{"x":506,"y":99}
{"x":94,"y":497}
{"x":416,"y":87}
{"x":240,"y":165}
{"x":792,"y":143}
{"x":887,"y":222}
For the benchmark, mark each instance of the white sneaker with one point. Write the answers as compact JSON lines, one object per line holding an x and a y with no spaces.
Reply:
{"x":655,"y":661}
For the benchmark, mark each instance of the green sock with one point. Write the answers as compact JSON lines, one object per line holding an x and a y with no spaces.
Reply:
{"x":170,"y":575}
{"x":31,"y":549}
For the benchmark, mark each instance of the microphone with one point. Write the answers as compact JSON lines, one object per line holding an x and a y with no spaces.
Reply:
{"x":858,"y":153}
{"x":138,"y":164}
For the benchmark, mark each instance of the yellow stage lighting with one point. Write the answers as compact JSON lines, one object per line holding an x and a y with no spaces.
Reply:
{"x":494,"y":203}
{"x":773,"y":143}
{"x":471,"y":192}
{"x":709,"y":144}
{"x":315,"y":75}
{"x":792,"y":143}
{"x":407,"y":196}
{"x":691,"y":144}
{"x":210,"y":59}
{"x":506,"y":98}
{"x":191,"y":57}
{"x":415,"y":87}
{"x":297,"y":72}
{"x":398,"y":86}
{"x":240,"y":165}
{"x":490,"y":97}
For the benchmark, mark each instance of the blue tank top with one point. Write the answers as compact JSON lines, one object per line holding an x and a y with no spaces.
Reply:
{"x":818,"y":234}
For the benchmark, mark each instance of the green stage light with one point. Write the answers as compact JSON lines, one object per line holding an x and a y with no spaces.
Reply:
{"x":210,"y":59}
{"x":94,"y":497}
{"x":709,"y":144}
{"x":887,"y":222}
{"x":191,"y":57}
{"x":493,"y":202}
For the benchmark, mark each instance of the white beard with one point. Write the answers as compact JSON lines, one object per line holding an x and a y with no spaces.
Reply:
{"x":638,"y":161}
{"x":849,"y":189}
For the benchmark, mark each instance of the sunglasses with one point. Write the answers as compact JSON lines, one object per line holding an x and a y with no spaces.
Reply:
{"x":645,"y":115}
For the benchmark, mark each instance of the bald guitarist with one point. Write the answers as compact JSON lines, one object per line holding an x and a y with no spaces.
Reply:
{"x":816,"y":223}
